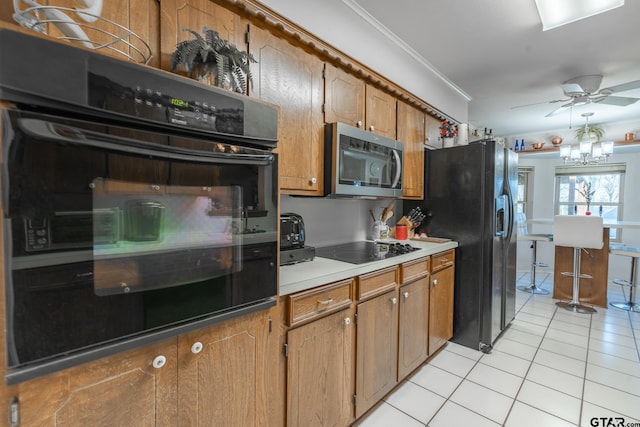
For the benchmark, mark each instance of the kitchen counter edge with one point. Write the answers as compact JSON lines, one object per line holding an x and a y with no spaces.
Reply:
{"x":321,"y":271}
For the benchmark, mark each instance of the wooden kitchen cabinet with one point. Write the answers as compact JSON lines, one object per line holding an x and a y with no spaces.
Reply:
{"x":121,"y":390}
{"x":441,"y":299}
{"x":320,"y":356}
{"x":225,"y":377}
{"x":413,"y":335}
{"x":349,"y":100}
{"x":224,"y":373}
{"x":344,"y":97}
{"x":411,"y":132}
{"x":320,"y":372}
{"x":177,"y":15}
{"x":377,"y":338}
{"x":288,"y":76}
{"x":380,"y":112}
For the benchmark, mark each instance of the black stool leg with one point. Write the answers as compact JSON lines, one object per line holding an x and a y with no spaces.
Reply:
{"x":631,"y":304}
{"x":533,"y":288}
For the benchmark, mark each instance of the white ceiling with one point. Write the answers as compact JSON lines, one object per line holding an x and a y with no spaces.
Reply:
{"x":496,"y":52}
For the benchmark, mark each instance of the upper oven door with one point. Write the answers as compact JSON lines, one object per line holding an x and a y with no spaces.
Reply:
{"x":167,"y":229}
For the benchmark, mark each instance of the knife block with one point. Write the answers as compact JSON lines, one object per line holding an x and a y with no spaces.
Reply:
{"x":403,"y":221}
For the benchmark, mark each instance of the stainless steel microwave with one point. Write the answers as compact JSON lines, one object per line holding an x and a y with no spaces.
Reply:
{"x":361,"y":163}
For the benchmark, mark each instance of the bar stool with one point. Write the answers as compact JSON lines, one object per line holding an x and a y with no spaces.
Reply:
{"x":523,"y":234}
{"x":579,"y":233}
{"x":634,"y":253}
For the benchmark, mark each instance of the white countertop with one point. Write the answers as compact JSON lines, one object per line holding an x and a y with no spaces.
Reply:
{"x":320,"y":271}
{"x":607,"y":223}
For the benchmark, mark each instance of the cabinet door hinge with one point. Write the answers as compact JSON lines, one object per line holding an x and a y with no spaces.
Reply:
{"x":355,"y":318}
{"x":286,"y":350}
{"x":14,"y":412}
{"x":247,"y":36}
{"x":355,"y":397}
{"x":324,"y":72}
{"x":324,"y":108}
{"x":270,"y":324}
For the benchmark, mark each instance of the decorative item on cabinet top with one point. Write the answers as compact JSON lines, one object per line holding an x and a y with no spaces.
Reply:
{"x":89,"y":29}
{"x":214,"y":60}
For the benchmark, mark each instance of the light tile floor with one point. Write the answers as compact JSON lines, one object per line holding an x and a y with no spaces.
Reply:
{"x":550,"y":368}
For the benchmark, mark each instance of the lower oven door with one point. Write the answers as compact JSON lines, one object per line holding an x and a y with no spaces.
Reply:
{"x":192,"y":228}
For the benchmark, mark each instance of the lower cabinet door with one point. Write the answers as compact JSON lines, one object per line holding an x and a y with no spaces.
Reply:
{"x":133,"y":388}
{"x":222,"y":373}
{"x":376,"y":349}
{"x":441,"y":308}
{"x":320,"y":372}
{"x":413,"y":336}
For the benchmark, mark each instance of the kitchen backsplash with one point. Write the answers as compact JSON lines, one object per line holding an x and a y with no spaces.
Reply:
{"x":330,"y":221}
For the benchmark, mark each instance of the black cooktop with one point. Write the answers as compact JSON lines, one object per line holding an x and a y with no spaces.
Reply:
{"x":361,"y":252}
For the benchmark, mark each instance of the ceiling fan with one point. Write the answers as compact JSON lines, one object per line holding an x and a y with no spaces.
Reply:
{"x":586,"y":89}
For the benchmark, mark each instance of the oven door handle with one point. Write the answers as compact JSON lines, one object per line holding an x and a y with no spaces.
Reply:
{"x":72,"y":135}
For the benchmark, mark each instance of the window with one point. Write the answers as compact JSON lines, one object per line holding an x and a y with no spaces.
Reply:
{"x":603,"y":184}
{"x":525,"y":191}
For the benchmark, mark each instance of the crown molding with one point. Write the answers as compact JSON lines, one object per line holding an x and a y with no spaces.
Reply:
{"x":386,"y":32}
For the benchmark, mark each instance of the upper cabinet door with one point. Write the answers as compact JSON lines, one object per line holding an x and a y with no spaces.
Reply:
{"x":343,"y":97}
{"x":291,"y":78}
{"x":380,"y":112}
{"x":178,"y":15}
{"x":411,"y":131}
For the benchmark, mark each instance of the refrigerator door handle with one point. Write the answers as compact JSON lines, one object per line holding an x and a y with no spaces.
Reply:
{"x":501,"y":215}
{"x":511,"y":214}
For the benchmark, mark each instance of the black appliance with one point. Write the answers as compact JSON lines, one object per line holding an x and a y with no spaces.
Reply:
{"x":292,"y":234}
{"x":470,"y":191}
{"x":137,"y":205}
{"x":364,"y":251}
{"x":292,"y":238}
{"x":361,"y":163}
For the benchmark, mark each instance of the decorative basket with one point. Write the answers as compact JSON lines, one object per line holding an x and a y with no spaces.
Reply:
{"x":90,"y":31}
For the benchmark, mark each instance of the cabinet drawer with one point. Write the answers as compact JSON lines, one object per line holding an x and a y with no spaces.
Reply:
{"x":412,"y":270}
{"x":442,"y":260}
{"x":307,"y":305}
{"x":377,"y":282}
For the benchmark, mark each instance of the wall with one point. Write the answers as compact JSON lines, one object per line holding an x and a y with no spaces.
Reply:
{"x":330,"y":221}
{"x":543,"y":197}
{"x":340,"y":26}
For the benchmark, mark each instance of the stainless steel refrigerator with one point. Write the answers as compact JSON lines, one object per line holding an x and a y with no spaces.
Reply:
{"x":471,"y":192}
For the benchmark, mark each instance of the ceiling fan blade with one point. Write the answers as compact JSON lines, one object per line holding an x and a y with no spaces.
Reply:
{"x":623,"y":87}
{"x":559,"y":109}
{"x":620,"y":101}
{"x":539,"y":103}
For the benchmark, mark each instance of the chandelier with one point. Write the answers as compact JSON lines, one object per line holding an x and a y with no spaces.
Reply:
{"x":587,"y":152}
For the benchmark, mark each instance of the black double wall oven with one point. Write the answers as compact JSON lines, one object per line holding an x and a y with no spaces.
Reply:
{"x":137,"y":205}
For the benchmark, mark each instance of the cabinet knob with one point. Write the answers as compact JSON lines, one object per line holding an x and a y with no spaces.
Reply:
{"x":394,"y":300}
{"x":196,"y":347}
{"x":159,"y":362}
{"x":155,"y":187}
{"x":406,"y":295}
{"x":435,"y":282}
{"x":371,"y":128}
{"x":313,"y":180}
{"x":347,"y":321}
{"x":359,"y":123}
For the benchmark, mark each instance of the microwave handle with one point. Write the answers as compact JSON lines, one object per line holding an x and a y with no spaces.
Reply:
{"x":71,"y":135}
{"x":396,"y":180}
